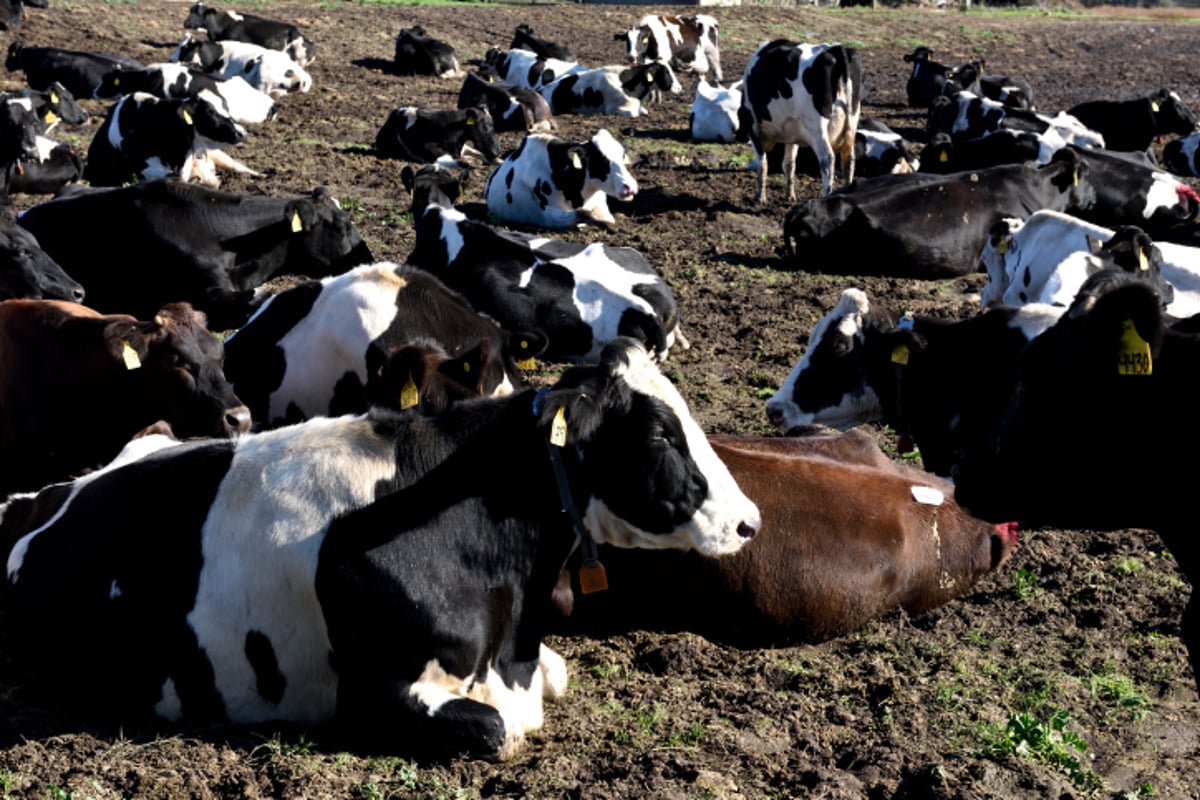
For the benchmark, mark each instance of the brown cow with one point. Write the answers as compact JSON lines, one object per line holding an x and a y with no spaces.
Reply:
{"x":75,"y":385}
{"x":847,"y":536}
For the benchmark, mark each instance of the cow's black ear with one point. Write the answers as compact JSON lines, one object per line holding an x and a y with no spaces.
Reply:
{"x":400,"y":378}
{"x":126,"y":343}
{"x":408,"y":178}
{"x":619,"y":37}
{"x":571,"y":416}
{"x":299,"y":215}
{"x":1094,"y":244}
{"x":471,"y":116}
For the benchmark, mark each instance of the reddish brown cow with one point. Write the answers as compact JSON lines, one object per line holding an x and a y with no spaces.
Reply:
{"x":847,"y":536}
{"x":75,"y":385}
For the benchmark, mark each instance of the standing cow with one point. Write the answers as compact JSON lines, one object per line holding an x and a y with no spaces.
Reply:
{"x":689,"y":43}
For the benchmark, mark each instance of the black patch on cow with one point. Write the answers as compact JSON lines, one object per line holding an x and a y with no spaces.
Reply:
{"x":777,"y":66}
{"x":566,"y":99}
{"x":269,"y":681}
{"x":349,"y":393}
{"x":508,"y":179}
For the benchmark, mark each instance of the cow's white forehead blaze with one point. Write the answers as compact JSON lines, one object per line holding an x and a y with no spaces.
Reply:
{"x":609,"y":147}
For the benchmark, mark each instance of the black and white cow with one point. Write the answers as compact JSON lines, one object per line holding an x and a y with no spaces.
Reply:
{"x":966,"y":115}
{"x":267,"y":70}
{"x":290,"y":548}
{"x":927,"y":77}
{"x":1179,"y":155}
{"x":941,"y":382}
{"x":714,"y":114}
{"x":422,"y":135}
{"x":580,"y":296}
{"x":1050,"y":458}
{"x":591,"y":91}
{"x":418,"y":53}
{"x":79,"y":72}
{"x":187,"y":242}
{"x":526,"y":69}
{"x":319,"y":348}
{"x":52,"y":104}
{"x":512,"y":108}
{"x":553,"y":183}
{"x":523,"y":39}
{"x":927,"y":226}
{"x":879,"y":150}
{"x":236,"y":26}
{"x":1129,"y":192}
{"x":144,"y":137}
{"x":241,"y":101}
{"x":1135,"y":124}
{"x":647,"y":82}
{"x":795,"y":94}
{"x":55,"y":165}
{"x":1046,"y":258}
{"x":1008,"y":91}
{"x":26,"y":270}
{"x":689,"y":43}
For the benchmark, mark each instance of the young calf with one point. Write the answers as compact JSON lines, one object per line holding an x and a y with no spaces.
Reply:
{"x":223,"y":25}
{"x":422,"y":135}
{"x":418,"y":53}
{"x":689,"y":43}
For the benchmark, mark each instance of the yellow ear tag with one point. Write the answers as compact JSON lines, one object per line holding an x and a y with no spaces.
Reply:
{"x":1075,"y":178}
{"x":50,"y":117}
{"x":900,"y":355}
{"x":466,"y":366}
{"x":527,"y":364}
{"x":409,"y":396}
{"x":576,"y":161}
{"x":1154,"y":106}
{"x":130,"y":356}
{"x":649,"y":78}
{"x":558,"y":428}
{"x":54,"y":97}
{"x":1002,"y":248}
{"x":470,"y":120}
{"x":186,"y":116}
{"x":1133,"y":354}
{"x":116,"y":81}
{"x":1143,"y":261}
{"x":944,"y":157}
{"x":592,"y":578}
{"x":297,"y":225}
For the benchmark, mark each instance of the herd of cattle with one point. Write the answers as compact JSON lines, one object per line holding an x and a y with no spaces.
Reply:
{"x":346,"y":546}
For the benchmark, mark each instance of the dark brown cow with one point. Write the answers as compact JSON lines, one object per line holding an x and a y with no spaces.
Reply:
{"x":847,"y":537}
{"x":75,"y":385}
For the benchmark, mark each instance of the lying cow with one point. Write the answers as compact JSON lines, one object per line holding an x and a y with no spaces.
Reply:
{"x":26,"y":270}
{"x":318,"y":348}
{"x":418,"y":53}
{"x":968,"y":116}
{"x":794,"y":94}
{"x":423,"y":135}
{"x":647,"y":82}
{"x":370,"y":520}
{"x":1179,"y":155}
{"x":1135,"y":124}
{"x":1046,"y":258}
{"x":77,"y":384}
{"x":592,"y":91}
{"x":848,"y":536}
{"x":79,"y":72}
{"x":526,"y":69}
{"x":688,"y":43}
{"x":512,"y":108}
{"x":523,"y":39}
{"x":714,"y":114}
{"x":581,"y":297}
{"x":235,"y":26}
{"x":1045,"y":463}
{"x":1129,"y":192}
{"x":927,"y":226}
{"x":553,"y":183}
{"x":55,"y":165}
{"x":940,"y":382}
{"x":236,"y":98}
{"x":269,"y":71}
{"x":183,"y":241}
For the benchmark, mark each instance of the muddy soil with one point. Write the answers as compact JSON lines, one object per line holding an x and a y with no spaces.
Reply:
{"x":1076,"y":635}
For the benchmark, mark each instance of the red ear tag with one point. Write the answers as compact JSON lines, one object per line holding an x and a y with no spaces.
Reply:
{"x":592,"y":578}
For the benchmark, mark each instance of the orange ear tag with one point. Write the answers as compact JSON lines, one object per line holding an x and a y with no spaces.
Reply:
{"x":592,"y":578}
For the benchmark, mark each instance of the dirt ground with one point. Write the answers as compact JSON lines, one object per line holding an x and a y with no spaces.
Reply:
{"x":1060,"y":676}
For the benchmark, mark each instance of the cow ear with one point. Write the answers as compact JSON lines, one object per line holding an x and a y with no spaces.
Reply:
{"x":400,"y":378}
{"x":570,"y":416}
{"x":619,"y":37}
{"x":1094,"y":244}
{"x":524,"y":347}
{"x":126,"y":343}
{"x":471,"y":115}
{"x":467,"y":369}
{"x":408,"y":178}
{"x":299,"y":216}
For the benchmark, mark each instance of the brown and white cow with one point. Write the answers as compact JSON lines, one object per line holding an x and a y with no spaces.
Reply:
{"x":75,"y":385}
{"x":688,"y":43}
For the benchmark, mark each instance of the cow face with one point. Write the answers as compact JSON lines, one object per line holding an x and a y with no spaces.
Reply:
{"x":655,"y":480}
{"x":27,"y":271}
{"x":179,"y":363}
{"x":19,"y":128}
{"x":641,"y":46}
{"x":607,"y":165}
{"x":432,"y":184}
{"x":55,"y":103}
{"x":197,"y":15}
{"x":482,"y":132}
{"x":1133,"y":252}
{"x":829,"y":385}
{"x":324,"y":240}
{"x":1171,"y":115}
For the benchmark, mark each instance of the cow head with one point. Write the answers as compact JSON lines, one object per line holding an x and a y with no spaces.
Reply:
{"x":922,"y":53}
{"x":1131,"y":251}
{"x":323,"y":239}
{"x":607,"y":164}
{"x":178,"y":363}
{"x":210,"y":120}
{"x":197,"y":15}
{"x":12,"y":60}
{"x":432,"y":184}
{"x":1069,"y":174}
{"x":482,"y":132}
{"x":994,"y":257}
{"x":1170,"y":114}
{"x":641,"y":46}
{"x":55,"y":102}
{"x":27,"y":271}
{"x":653,"y":479}
{"x":19,"y":129}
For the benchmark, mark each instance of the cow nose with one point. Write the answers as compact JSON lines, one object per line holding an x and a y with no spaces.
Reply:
{"x":77,"y":294}
{"x":746,"y":530}
{"x":237,"y":420}
{"x":775,"y":415}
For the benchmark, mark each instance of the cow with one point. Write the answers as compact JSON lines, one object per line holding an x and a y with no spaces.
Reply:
{"x":77,"y":384}
{"x":1135,"y":124}
{"x":966,"y":115}
{"x":79,"y":73}
{"x":714,"y":114}
{"x":647,"y":82}
{"x":927,"y":77}
{"x":147,"y":138}
{"x":944,"y":154}
{"x":592,"y":91}
{"x":525,"y":69}
{"x":1046,"y":258}
{"x":418,"y":53}
{"x":1048,"y":460}
{"x":52,"y":104}
{"x":269,"y":71}
{"x":878,"y":150}
{"x":1128,"y":192}
{"x":848,"y":536}
{"x":319,"y":347}
{"x":512,"y":108}
{"x":688,"y":43}
{"x":55,"y":165}
{"x":580,"y":296}
{"x":928,"y":226}
{"x":795,"y":94}
{"x":940,"y":382}
{"x":28,"y":271}
{"x":236,"y":98}
{"x":289,"y":548}
{"x":555,"y":183}
{"x":191,"y":243}
{"x":422,"y":135}
{"x":523,"y":39}
{"x":1009,"y":92}
{"x":1179,"y":155}
{"x":236,"y":26}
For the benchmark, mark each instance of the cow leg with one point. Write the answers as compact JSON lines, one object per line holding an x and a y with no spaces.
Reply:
{"x":824,"y":152}
{"x":789,"y":168}
{"x":760,"y":153}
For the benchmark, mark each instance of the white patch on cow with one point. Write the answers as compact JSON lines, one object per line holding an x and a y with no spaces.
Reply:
{"x":114,"y":127}
{"x":451,"y":233}
{"x":169,"y":707}
{"x":715,"y":527}
{"x":260,"y":546}
{"x":927,"y":495}
{"x":853,"y":408}
{"x":45,"y":146}
{"x":714,"y":116}
{"x":554,"y":673}
{"x":602,"y":292}
{"x":1163,"y":194}
{"x":356,"y":308}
